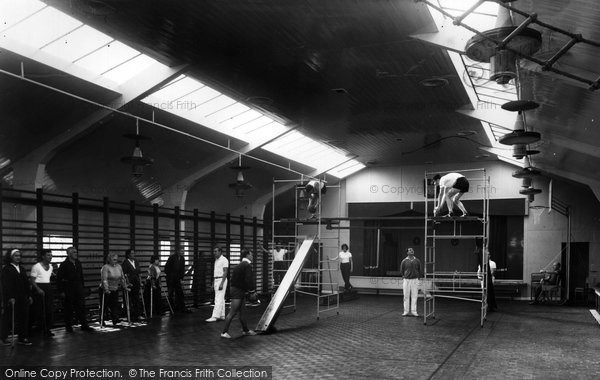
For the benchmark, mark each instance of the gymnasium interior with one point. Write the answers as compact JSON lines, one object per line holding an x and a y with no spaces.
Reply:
{"x":176,"y":127}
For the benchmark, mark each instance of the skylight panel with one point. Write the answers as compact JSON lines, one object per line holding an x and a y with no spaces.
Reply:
{"x":42,"y":27}
{"x":254,"y":124}
{"x":214,"y":105}
{"x":78,"y":43}
{"x":177,"y":89}
{"x":241,"y":119}
{"x":228,"y":113}
{"x":201,"y":96}
{"x":346,"y":169}
{"x":302,"y":149}
{"x":488,"y":7}
{"x":10,"y":14}
{"x":267,"y":132}
{"x":107,"y":57}
{"x":129,"y":69}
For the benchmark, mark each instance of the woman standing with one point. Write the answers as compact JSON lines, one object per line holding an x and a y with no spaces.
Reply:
{"x":346,"y":265}
{"x":40,"y":276}
{"x":112,"y":277}
{"x":16,"y":296}
{"x":152,"y":288}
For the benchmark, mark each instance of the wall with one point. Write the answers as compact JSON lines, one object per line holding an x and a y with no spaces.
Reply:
{"x":405,"y":184}
{"x":544,"y":229}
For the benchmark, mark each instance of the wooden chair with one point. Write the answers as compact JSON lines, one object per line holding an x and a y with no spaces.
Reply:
{"x":552,"y":293}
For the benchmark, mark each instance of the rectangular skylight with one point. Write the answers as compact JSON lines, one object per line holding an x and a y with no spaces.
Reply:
{"x":107,"y":57}
{"x":253,"y":124}
{"x":176,"y":89}
{"x":129,"y":69}
{"x":212,"y":109}
{"x":42,"y":27}
{"x":200,"y":96}
{"x":241,"y":119}
{"x":11,"y":14}
{"x":346,"y":169}
{"x":214,"y":105}
{"x":300,"y":148}
{"x":228,"y":113}
{"x":78,"y":43}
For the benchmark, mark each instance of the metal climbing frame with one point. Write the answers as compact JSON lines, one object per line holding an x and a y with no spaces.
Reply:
{"x":318,"y":278}
{"x":468,"y":286}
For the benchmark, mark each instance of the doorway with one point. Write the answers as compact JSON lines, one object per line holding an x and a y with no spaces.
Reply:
{"x":578,"y":266}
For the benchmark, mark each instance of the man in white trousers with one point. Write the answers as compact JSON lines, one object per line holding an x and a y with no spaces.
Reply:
{"x":411,"y":270}
{"x":220,"y":285}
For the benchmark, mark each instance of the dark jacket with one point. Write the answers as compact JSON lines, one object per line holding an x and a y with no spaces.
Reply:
{"x":133,"y":274}
{"x":70,"y":275}
{"x":242,"y":277}
{"x":175,"y":267}
{"x":14,"y":284}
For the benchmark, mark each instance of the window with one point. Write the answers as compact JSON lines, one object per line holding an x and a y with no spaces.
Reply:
{"x":58,"y":245}
{"x":165,"y":251}
{"x":235,"y":254}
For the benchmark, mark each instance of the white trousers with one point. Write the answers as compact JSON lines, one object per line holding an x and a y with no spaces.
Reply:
{"x":410,"y":288}
{"x":219,"y":310}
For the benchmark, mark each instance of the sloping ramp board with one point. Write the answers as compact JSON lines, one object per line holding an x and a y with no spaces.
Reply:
{"x":270,"y":315}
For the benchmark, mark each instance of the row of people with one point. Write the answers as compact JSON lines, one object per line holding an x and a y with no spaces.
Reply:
{"x":20,"y":291}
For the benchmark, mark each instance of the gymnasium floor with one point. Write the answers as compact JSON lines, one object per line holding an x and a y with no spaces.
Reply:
{"x":368,"y":339}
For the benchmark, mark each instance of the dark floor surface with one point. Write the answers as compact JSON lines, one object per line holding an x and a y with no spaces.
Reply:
{"x":369,"y":339}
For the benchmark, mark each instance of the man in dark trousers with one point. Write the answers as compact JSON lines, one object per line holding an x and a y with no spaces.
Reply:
{"x":175,"y":271}
{"x":131,"y":269}
{"x":70,"y":279}
{"x":242,"y":282}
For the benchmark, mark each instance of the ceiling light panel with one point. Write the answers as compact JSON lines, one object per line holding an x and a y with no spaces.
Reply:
{"x":129,"y":69}
{"x":11,"y":14}
{"x":108,"y":57}
{"x":77,"y":43}
{"x":300,"y":148}
{"x":176,"y":89}
{"x":346,"y":169}
{"x":42,"y":27}
{"x":228,"y":113}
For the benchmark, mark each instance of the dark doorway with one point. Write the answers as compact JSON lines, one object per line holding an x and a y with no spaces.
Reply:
{"x":578,"y":266}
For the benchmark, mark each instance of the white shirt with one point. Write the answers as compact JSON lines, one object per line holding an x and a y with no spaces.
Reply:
{"x":449,"y":179}
{"x":220,"y":264}
{"x":16,"y":266}
{"x":279,"y":255}
{"x":492,"y":265}
{"x":132,"y":263}
{"x":345,"y":256}
{"x":40,"y":275}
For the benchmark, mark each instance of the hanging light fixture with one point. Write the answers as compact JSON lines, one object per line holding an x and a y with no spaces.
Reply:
{"x":491,"y":46}
{"x":137,"y":159}
{"x":240,"y":186}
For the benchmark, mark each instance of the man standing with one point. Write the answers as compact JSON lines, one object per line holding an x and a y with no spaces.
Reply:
{"x":131,"y":269}
{"x":70,"y":279}
{"x":452,"y":187}
{"x":219,"y":285}
{"x":279,"y":264}
{"x":410,"y":268}
{"x":242,"y":282}
{"x":175,"y":271}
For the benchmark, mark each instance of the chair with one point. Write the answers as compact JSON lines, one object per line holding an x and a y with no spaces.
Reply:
{"x":552,"y":293}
